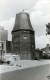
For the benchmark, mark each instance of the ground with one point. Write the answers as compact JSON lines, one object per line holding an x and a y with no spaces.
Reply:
{"x":26,"y":70}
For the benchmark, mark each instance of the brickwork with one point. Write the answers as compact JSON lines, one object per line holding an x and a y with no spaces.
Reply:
{"x":23,"y":39}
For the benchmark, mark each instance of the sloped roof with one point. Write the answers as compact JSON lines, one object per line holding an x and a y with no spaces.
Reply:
{"x":22,"y":21}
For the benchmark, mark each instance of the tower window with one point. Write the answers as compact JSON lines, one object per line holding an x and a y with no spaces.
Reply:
{"x":25,"y":37}
{"x":32,"y":46}
{"x":24,"y":31}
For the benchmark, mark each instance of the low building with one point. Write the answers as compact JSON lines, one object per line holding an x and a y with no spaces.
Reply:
{"x":39,"y":54}
{"x":3,"y":34}
{"x":5,"y":47}
{"x":3,"y":39}
{"x":46,"y":50}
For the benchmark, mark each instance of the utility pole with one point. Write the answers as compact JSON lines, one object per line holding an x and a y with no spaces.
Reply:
{"x":48,"y":31}
{"x":1,"y":48}
{"x":48,"y":28}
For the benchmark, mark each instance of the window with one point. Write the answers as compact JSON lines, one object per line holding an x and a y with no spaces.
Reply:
{"x":24,"y":31}
{"x":32,"y":46}
{"x":25,"y":37}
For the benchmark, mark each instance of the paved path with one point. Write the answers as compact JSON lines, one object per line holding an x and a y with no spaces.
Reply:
{"x":34,"y":73}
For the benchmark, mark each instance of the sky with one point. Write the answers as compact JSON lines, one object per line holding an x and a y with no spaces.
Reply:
{"x":39,"y":11}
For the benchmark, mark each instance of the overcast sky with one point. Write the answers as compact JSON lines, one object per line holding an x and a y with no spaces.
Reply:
{"x":39,"y":11}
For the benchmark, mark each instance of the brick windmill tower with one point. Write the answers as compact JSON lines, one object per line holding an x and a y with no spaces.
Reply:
{"x":23,"y":37}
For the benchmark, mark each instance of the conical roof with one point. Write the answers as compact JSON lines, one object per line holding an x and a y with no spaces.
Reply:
{"x":22,"y":21}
